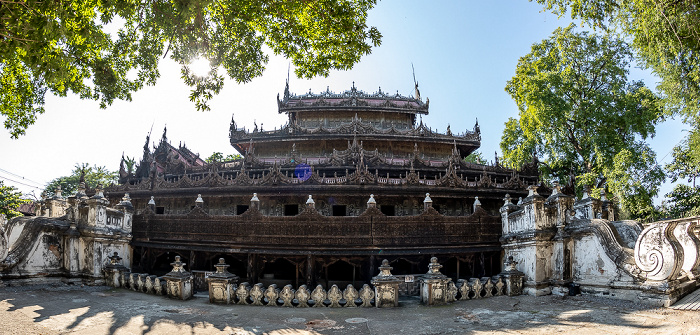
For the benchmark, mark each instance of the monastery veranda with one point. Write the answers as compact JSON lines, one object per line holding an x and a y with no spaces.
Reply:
{"x":353,"y":202}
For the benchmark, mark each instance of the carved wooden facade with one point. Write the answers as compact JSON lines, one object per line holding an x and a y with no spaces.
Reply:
{"x":339,"y":148}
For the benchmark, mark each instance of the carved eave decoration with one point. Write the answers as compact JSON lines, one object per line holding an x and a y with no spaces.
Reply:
{"x":275,"y":177}
{"x":451,"y":179}
{"x":514,"y":183}
{"x":197,"y":212}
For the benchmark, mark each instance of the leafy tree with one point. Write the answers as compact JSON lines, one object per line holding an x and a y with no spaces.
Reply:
{"x":684,"y":200}
{"x":130,"y":163}
{"x":583,"y":119}
{"x":476,"y":158}
{"x":10,"y":200}
{"x":219,"y":157}
{"x":93,"y":176}
{"x":664,"y":34}
{"x":63,"y":46}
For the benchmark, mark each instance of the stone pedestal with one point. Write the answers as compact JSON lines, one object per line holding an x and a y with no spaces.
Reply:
{"x":433,"y":285}
{"x":178,"y":281}
{"x":221,"y":284}
{"x":513,"y":278}
{"x":114,"y":271}
{"x":386,"y":287}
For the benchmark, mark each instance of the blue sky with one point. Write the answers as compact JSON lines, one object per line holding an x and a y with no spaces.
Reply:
{"x":463,"y":53}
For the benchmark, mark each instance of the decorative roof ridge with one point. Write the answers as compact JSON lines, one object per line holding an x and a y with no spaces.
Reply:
{"x":351,"y":96}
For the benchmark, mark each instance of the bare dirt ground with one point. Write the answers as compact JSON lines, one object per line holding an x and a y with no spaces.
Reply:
{"x":68,"y":309}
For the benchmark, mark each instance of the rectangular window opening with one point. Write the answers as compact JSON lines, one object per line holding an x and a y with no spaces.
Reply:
{"x":291,"y":210}
{"x":388,"y":210}
{"x":339,"y":210}
{"x":240,"y":209}
{"x":160,"y":210}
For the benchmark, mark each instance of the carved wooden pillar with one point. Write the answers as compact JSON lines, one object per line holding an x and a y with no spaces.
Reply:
{"x":252,"y":268}
{"x":310,"y":270}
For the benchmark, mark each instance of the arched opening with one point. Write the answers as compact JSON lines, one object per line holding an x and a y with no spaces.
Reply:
{"x":341,"y":273}
{"x":402,"y":266}
{"x":280,"y":272}
{"x":450,"y":267}
{"x":162,"y":265}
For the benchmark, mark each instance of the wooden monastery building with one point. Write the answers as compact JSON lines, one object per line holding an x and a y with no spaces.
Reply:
{"x":324,"y":198}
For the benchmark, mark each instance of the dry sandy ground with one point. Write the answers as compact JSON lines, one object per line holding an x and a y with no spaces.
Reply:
{"x":66,"y":309}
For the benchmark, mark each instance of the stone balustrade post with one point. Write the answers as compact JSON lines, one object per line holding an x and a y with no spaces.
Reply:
{"x":255,"y":202}
{"x":427,"y":202}
{"x":178,"y":281}
{"x":513,"y":278}
{"x":433,"y":285}
{"x":221,"y":283}
{"x":386,"y":287}
{"x":371,"y":203}
{"x":114,"y":271}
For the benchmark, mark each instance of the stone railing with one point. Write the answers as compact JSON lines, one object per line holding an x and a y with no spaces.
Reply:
{"x":668,"y":250}
{"x":435,"y":288}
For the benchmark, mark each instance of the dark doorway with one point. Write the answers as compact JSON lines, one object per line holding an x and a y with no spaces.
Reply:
{"x":402,"y":267}
{"x":291,"y":210}
{"x":388,"y":210}
{"x":240,"y":209}
{"x":339,"y":210}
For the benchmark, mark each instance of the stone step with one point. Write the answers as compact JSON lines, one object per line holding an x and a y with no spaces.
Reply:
{"x":691,"y":302}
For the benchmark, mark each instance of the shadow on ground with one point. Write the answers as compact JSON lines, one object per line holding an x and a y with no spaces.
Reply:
{"x":100,"y":310}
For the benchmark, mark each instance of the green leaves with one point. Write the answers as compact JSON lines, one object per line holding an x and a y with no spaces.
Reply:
{"x":93,"y":175}
{"x":10,"y":200}
{"x":582,"y":117}
{"x":62,"y":47}
{"x":219,"y":157}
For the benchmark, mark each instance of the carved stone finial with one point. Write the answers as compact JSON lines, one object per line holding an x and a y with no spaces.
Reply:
{"x":152,"y":202}
{"x":255,"y":202}
{"x":371,"y":202}
{"x":199,"y":200}
{"x":434,"y":267}
{"x":602,"y":195}
{"x":520,"y":201}
{"x":57,"y":193}
{"x":221,"y":267}
{"x":532,"y":189}
{"x":510,"y":264}
{"x":586,"y":191}
{"x":556,"y":189}
{"x":126,"y":201}
{"x":115,"y":259}
{"x":385,"y":269}
{"x":98,"y":192}
{"x":178,"y":266}
{"x":427,"y":202}
{"x":507,"y":200}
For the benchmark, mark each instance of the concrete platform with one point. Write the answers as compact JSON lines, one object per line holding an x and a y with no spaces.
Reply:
{"x":691,"y":302}
{"x":71,"y":309}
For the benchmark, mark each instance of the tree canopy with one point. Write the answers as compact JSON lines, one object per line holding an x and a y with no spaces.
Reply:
{"x":10,"y":200}
{"x":92,"y":175}
{"x":219,"y":157}
{"x":64,"y":47}
{"x":583,"y":119}
{"x":665,"y":36}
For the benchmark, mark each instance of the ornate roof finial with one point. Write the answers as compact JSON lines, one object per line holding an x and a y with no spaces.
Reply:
{"x":417,"y":93}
